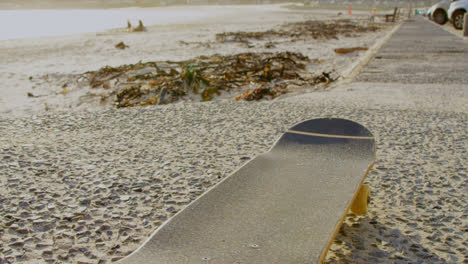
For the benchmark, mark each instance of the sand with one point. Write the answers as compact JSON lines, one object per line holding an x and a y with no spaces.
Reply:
{"x":42,"y":66}
{"x":83,"y":183}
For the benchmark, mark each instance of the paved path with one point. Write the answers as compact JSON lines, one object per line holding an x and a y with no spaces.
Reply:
{"x":422,"y":67}
{"x":420,"y":52}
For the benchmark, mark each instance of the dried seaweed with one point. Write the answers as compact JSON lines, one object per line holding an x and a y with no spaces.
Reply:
{"x":154,"y":83}
{"x":349,"y":50}
{"x":261,"y":92}
{"x":107,"y":73}
{"x":198,"y":43}
{"x":244,"y":36}
{"x":121,"y":45}
{"x":301,"y":30}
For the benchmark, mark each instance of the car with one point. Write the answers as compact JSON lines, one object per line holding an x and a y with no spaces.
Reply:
{"x":429,"y":12}
{"x":457,"y":12}
{"x":438,"y":12}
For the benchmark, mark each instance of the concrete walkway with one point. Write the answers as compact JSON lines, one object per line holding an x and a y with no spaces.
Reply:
{"x":420,"y":52}
{"x":421,"y":67}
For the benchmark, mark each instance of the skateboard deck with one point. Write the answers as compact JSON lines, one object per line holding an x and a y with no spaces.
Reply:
{"x":284,"y":206}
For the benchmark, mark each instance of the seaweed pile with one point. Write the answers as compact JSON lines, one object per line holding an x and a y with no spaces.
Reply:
{"x":154,"y":83}
{"x":301,"y":30}
{"x":252,"y":76}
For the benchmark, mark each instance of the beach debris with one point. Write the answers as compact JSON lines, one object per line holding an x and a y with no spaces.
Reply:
{"x":34,"y":96}
{"x":121,"y":45}
{"x":242,"y":36}
{"x":302,"y":30}
{"x":260,"y":93}
{"x":154,"y":83}
{"x":198,"y":43}
{"x":306,"y":30}
{"x":270,"y":45}
{"x":139,"y":28}
{"x":349,"y":50}
{"x":324,"y":78}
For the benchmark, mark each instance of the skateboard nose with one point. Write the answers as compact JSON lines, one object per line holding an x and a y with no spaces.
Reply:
{"x":334,"y":127}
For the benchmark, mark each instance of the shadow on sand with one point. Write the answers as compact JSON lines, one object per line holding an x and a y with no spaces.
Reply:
{"x":366,"y":240}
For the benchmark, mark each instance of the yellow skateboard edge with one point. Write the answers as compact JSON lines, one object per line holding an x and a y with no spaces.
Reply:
{"x":326,"y":135}
{"x":324,"y":252}
{"x":359,"y":205}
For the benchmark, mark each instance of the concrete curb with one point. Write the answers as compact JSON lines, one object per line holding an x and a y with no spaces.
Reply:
{"x":450,"y":29}
{"x":356,"y":67}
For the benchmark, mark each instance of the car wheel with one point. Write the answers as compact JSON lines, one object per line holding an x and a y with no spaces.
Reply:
{"x":440,"y":17}
{"x":458,"y":19}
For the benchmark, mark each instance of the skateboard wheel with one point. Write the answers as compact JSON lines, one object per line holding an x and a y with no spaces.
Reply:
{"x":359,"y":205}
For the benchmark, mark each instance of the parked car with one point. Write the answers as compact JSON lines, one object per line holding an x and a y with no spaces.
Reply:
{"x":438,"y":12}
{"x":456,"y":13}
{"x":429,"y":12}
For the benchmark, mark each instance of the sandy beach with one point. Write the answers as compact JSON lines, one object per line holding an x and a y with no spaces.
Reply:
{"x":41,"y":66}
{"x":85,"y":182}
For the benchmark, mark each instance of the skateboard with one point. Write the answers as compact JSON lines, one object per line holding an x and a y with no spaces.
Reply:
{"x":284,"y":206}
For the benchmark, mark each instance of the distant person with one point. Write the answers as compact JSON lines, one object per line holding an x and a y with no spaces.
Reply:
{"x":139,"y":28}
{"x":129,"y":26}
